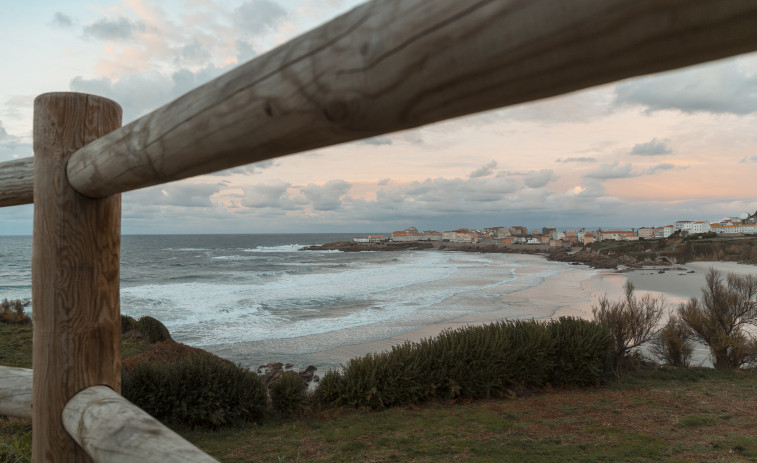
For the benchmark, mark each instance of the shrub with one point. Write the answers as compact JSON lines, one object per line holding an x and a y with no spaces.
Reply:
{"x":632,"y":321}
{"x":473,"y":362}
{"x":12,"y":312}
{"x":153,"y":330}
{"x":127,"y":324}
{"x":289,"y":394}
{"x":196,"y":391}
{"x":718,"y":319}
{"x":672,"y":345}
{"x":582,"y":352}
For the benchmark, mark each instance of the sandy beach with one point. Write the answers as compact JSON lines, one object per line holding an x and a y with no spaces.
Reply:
{"x":571,"y":293}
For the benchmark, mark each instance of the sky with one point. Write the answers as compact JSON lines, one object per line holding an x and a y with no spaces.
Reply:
{"x":680,"y":145}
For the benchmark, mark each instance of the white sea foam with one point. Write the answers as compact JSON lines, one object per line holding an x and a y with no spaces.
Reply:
{"x":412,"y":288}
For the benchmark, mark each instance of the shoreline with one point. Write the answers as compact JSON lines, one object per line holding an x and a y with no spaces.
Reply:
{"x":572,"y":292}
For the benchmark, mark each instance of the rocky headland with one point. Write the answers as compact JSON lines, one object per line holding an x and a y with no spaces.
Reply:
{"x":575,"y":255}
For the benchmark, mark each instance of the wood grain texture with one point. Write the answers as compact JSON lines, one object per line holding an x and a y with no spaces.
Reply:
{"x":16,"y":392}
{"x":112,"y":429}
{"x":75,"y":271}
{"x":17,"y":182}
{"x":390,"y":65}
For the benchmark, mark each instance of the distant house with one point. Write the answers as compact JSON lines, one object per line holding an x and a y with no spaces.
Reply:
{"x":734,"y":228}
{"x":646,"y":232}
{"x":518,"y":231}
{"x":617,"y":235}
{"x":588,"y":237}
{"x":377,"y":238}
{"x":412,"y":234}
{"x":461,"y":235}
{"x":700,"y":227}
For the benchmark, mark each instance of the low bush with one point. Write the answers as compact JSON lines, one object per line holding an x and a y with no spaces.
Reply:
{"x":196,"y":391}
{"x":632,"y":321}
{"x":289,"y":394}
{"x":672,"y":345}
{"x":723,"y":317}
{"x":154,"y":330}
{"x":474,"y":362}
{"x":12,"y":312}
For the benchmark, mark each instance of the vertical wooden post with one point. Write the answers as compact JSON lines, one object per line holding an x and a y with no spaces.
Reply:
{"x":75,"y":271}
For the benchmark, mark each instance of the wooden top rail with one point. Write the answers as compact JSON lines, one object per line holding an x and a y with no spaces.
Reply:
{"x":112,"y":429}
{"x":390,"y":65}
{"x":16,"y":392}
{"x":17,"y":182}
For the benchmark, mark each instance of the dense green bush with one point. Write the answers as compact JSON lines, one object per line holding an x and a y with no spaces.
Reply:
{"x":12,"y":312}
{"x":127,"y":323}
{"x":196,"y":391}
{"x":474,"y":362}
{"x":152,"y":329}
{"x":580,"y":352}
{"x":289,"y":394}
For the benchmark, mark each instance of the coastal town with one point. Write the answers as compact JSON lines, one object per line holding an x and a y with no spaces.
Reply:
{"x":743,"y":224}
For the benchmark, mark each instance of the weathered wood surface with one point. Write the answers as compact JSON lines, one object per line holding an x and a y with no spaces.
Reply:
{"x":112,"y":429}
{"x":390,"y":65}
{"x":16,"y":392}
{"x":75,"y":271}
{"x":17,"y":182}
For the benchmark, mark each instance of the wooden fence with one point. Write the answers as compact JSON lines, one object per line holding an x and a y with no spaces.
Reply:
{"x":387,"y":65}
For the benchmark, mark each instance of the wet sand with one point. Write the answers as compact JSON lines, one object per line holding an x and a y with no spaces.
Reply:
{"x":571,"y":293}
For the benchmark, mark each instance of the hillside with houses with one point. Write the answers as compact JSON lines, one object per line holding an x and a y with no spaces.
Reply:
{"x":744,"y":224}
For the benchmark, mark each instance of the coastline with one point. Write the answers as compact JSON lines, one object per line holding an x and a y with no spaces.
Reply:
{"x":572,"y":292}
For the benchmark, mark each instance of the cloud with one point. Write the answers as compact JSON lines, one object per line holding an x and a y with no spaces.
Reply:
{"x":327,"y":197}
{"x":249,"y":169}
{"x":538,"y":179}
{"x":660,"y":167}
{"x":652,"y":148}
{"x":268,"y":195}
{"x":179,"y":194}
{"x":376,"y":141}
{"x":577,"y":159}
{"x":113,"y":30}
{"x":258,"y":17}
{"x":720,"y":87}
{"x":748,"y":159}
{"x":141,"y":93}
{"x":62,"y":20}
{"x":484,"y":171}
{"x":245,"y":51}
{"x":12,"y":147}
{"x":610,"y":171}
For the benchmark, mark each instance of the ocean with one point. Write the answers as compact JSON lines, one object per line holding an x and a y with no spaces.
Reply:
{"x":260,"y":298}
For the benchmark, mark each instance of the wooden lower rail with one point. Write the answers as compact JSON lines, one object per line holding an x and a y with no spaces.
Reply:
{"x":107,"y":426}
{"x":16,"y":392}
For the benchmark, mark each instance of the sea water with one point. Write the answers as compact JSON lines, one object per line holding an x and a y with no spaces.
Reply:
{"x":258,"y":298}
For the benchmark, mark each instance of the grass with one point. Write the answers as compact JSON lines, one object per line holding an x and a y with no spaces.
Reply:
{"x":16,"y":346}
{"x":648,"y":415}
{"x":653,"y":414}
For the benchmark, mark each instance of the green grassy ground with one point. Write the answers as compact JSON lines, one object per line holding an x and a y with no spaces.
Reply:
{"x":655,"y":414}
{"x":649,"y":415}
